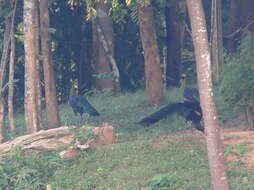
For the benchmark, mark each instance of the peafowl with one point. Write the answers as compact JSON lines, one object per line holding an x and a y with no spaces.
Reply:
{"x":190,"y":109}
{"x":80,"y":105}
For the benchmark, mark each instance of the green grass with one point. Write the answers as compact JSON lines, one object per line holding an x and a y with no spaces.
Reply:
{"x":149,"y":158}
{"x":131,"y":165}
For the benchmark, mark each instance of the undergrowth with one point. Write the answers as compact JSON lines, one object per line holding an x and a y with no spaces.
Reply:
{"x":235,"y":90}
{"x":144,"y":158}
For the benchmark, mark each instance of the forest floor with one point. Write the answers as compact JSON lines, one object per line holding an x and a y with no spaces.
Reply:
{"x":239,"y":146}
{"x":167,"y":153}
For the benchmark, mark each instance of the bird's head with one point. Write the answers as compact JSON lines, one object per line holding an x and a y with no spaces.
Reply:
{"x":73,"y":91}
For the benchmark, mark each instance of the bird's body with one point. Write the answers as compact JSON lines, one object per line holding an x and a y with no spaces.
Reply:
{"x":190,"y":110}
{"x":191,"y":94}
{"x":80,"y":105}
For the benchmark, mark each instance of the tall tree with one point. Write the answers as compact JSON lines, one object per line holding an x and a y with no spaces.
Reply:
{"x":214,"y":143}
{"x":48,"y":69}
{"x":174,"y":38}
{"x":153,"y":73}
{"x":85,"y":68}
{"x":3,"y":64}
{"x":11,"y":73}
{"x":247,"y":15}
{"x":216,"y":39}
{"x":105,"y":66}
{"x":233,"y":24}
{"x":32,"y":116}
{"x":38,"y":62}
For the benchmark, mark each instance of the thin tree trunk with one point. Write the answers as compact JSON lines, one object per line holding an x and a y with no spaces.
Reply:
{"x":4,"y":60}
{"x":216,"y":39}
{"x":1,"y":119}
{"x":32,"y":116}
{"x":103,"y":70}
{"x":11,"y":73}
{"x":38,"y":62}
{"x":249,"y":112}
{"x":49,"y":76}
{"x":174,"y":33}
{"x":107,"y":49}
{"x":233,"y":24}
{"x":85,"y":69}
{"x":214,"y":143}
{"x":153,"y":73}
{"x":247,"y":15}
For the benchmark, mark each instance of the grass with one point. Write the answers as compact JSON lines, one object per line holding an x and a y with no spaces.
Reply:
{"x":130,"y":165}
{"x":151,"y":158}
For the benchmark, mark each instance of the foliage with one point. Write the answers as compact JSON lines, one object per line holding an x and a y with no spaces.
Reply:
{"x":160,"y":181}
{"x":142,"y":158}
{"x":131,"y":165}
{"x":237,"y":149}
{"x":5,"y":8}
{"x":236,"y":89}
{"x":83,"y":135}
{"x":27,"y":171}
{"x":240,"y":177}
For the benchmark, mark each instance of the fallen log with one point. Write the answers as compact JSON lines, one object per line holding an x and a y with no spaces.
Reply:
{"x":62,"y":139}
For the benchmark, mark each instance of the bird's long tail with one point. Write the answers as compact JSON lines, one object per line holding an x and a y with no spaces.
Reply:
{"x":163,"y":112}
{"x":90,"y":109}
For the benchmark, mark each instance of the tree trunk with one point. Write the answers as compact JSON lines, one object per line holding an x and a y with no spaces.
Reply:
{"x":247,"y":15}
{"x":249,"y":112}
{"x":103,"y":70}
{"x":11,"y":73}
{"x":32,"y":116}
{"x":216,"y":39}
{"x":174,"y":35}
{"x":76,"y":41}
{"x":38,"y":62}
{"x":110,"y":57}
{"x":214,"y":143}
{"x":85,"y":69}
{"x":48,"y":69}
{"x":233,"y":24}
{"x":4,"y":60}
{"x":1,"y":119}
{"x":153,"y":73}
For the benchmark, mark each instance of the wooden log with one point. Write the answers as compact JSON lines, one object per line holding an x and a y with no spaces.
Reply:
{"x":59,"y":139}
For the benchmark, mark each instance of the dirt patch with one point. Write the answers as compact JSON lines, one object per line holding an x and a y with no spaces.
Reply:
{"x":239,"y":146}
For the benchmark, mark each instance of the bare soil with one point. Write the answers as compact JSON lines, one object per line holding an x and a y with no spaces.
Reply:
{"x":233,"y":138}
{"x":235,"y":141}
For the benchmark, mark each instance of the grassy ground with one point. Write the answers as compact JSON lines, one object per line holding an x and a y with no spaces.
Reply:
{"x":164,"y":156}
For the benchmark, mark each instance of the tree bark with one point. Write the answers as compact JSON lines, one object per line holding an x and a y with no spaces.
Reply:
{"x":233,"y":24}
{"x":53,"y":118}
{"x":153,"y":73}
{"x":247,"y":15}
{"x":38,"y":62}
{"x":214,"y":143}
{"x":103,"y":70}
{"x":58,"y":138}
{"x":174,"y":34}
{"x":3,"y":64}
{"x":85,"y":68}
{"x":1,"y":119}
{"x":32,"y":116}
{"x":11,"y":73}
{"x":216,"y":39}
{"x":110,"y":57}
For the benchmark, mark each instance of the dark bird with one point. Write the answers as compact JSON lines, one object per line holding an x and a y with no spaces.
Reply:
{"x":80,"y":105}
{"x":191,"y":95}
{"x":190,"y":109}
